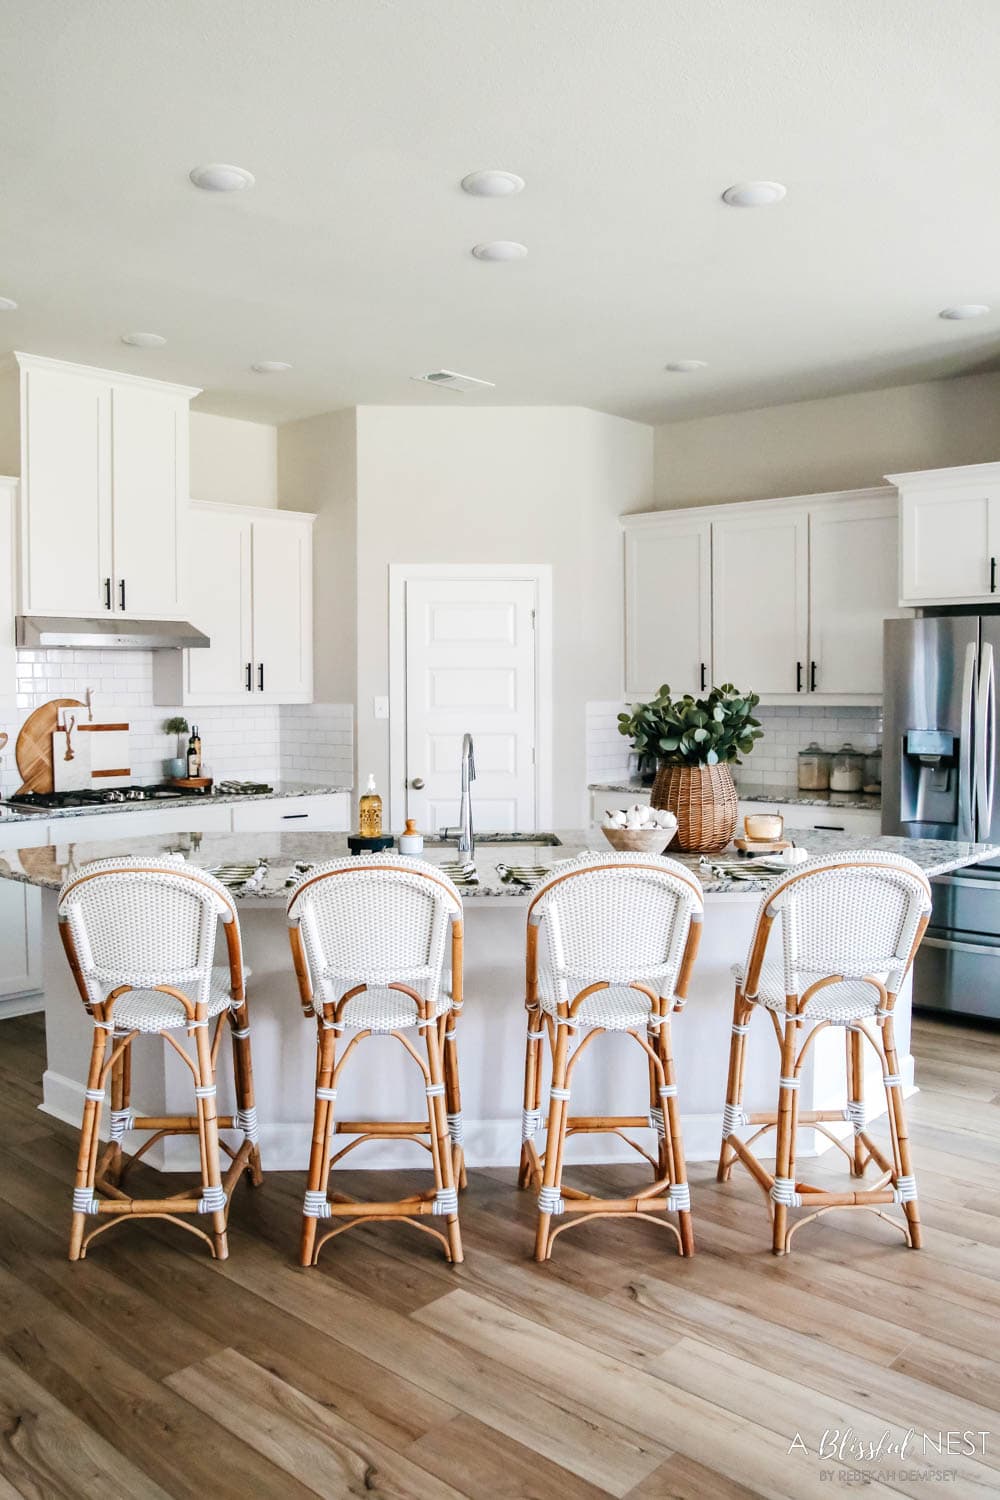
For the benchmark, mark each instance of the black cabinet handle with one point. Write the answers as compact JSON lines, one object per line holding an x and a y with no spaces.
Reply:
{"x":812,"y":676}
{"x":107,"y":593}
{"x":285,"y":816}
{"x":121,"y":591}
{"x":829,"y":828}
{"x":798,"y":677}
{"x":993,"y":575}
{"x":260,"y":676}
{"x":249,"y":676}
{"x":704,"y":677}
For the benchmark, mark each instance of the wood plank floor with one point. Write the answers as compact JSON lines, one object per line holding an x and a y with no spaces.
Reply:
{"x":619,"y":1369}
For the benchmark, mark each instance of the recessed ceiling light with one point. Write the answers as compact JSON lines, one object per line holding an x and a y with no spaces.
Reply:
{"x":269,"y":366}
{"x":963,"y":310}
{"x":754,"y":194}
{"x":451,"y":380}
{"x":686,"y":366}
{"x":217,"y":177}
{"x":7,"y":304}
{"x":144,"y":340}
{"x":500,"y":250}
{"x":492,"y":183}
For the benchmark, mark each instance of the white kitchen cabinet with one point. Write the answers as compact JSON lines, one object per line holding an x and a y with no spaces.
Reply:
{"x":668,"y":605}
{"x":249,"y":588}
{"x":864,"y":821}
{"x":20,"y":943}
{"x":92,"y":828}
{"x":853,"y":568}
{"x":950,"y":535}
{"x":104,"y":477}
{"x":330,"y":813}
{"x":760,"y":600}
{"x":8,"y":608}
{"x":603,"y":802}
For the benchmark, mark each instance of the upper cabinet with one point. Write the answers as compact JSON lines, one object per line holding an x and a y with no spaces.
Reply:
{"x":249,"y":588}
{"x":950,"y":535}
{"x":798,"y":590}
{"x":667,"y":644}
{"x":104,"y":479}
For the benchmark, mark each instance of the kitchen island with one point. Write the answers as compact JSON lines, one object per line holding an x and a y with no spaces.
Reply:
{"x":491,"y":1031}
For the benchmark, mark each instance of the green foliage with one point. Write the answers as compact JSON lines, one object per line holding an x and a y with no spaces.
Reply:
{"x":694,"y":731}
{"x":176,"y":725}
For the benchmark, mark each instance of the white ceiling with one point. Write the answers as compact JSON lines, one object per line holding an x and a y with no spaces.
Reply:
{"x":350,"y":257}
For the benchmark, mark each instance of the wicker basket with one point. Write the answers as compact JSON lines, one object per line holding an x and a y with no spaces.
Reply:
{"x":703,"y":800}
{"x":639,"y":840}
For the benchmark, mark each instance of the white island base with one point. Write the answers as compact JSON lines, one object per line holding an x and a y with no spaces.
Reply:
{"x":612,"y":1079}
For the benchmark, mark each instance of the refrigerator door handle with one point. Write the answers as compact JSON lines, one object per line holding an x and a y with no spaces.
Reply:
{"x":966,"y":797}
{"x":955,"y":947}
{"x":986,"y":737}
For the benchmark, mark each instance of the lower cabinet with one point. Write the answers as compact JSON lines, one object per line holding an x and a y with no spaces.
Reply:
{"x":20,"y":941}
{"x":864,"y":821}
{"x":320,"y":814}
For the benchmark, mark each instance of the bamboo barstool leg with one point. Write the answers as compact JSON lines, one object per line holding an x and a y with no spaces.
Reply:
{"x":86,"y":1161}
{"x":905,"y":1180}
{"x":453,"y":1099}
{"x":783,"y":1190}
{"x":208,"y":1130}
{"x":550,"y":1196}
{"x":856,"y":1097}
{"x":531,"y":1116}
{"x":239,"y":1022}
{"x":121,"y":1093}
{"x":733,"y":1114}
{"x":673,"y":1141}
{"x":319,"y":1156}
{"x":446,"y":1192}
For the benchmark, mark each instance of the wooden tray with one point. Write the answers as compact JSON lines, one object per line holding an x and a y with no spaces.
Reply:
{"x":762,"y":846}
{"x":192,"y":783}
{"x":34,"y":744}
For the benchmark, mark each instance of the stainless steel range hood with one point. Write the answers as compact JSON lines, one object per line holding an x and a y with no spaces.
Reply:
{"x":107,"y":633}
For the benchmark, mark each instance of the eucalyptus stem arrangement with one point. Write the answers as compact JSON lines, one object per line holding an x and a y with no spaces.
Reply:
{"x":711,"y":731}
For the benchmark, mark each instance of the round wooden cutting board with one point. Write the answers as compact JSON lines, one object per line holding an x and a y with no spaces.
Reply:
{"x":34,"y":744}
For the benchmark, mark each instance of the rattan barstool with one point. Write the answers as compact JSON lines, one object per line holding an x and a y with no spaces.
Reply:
{"x":850,"y":927}
{"x":370,"y":943}
{"x":140,"y":938}
{"x":620,"y":936}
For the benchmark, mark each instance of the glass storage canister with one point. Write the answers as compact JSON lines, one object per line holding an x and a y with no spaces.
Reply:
{"x":873,"y":773}
{"x":814,"y":769}
{"x":847,"y":769}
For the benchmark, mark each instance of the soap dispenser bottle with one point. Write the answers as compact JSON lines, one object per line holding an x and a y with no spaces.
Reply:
{"x":370,"y":812}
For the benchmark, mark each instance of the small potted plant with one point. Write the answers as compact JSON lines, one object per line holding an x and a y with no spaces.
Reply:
{"x":177,"y":768}
{"x":696,"y":740}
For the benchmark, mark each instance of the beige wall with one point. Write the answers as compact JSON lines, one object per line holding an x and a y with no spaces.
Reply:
{"x":843,"y":442}
{"x":232,"y":461}
{"x":516,"y":484}
{"x":317,"y":471}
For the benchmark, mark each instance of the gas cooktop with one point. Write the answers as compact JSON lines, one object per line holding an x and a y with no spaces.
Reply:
{"x":93,"y":797}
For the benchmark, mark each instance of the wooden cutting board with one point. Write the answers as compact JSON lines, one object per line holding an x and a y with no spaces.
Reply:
{"x":34,"y":744}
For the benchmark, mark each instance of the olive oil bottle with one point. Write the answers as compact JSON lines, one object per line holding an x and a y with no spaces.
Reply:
{"x":370,"y":812}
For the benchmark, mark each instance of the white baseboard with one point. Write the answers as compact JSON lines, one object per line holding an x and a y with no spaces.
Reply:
{"x":488,"y":1143}
{"x":29,"y":1004}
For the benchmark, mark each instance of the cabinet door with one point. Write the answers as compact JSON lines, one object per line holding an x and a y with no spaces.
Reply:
{"x":20,"y":939}
{"x":853,"y":574}
{"x":760,"y":583}
{"x":330,"y":814}
{"x":149,"y":494}
{"x":668,"y":608}
{"x":218,"y":602}
{"x":66,"y":493}
{"x":950,"y":542}
{"x":282,"y":611}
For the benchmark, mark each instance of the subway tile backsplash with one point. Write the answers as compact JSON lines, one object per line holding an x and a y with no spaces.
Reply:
{"x":311,"y":742}
{"x":773,"y":763}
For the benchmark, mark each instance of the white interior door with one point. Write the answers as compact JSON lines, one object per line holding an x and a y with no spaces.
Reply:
{"x":470,"y":668}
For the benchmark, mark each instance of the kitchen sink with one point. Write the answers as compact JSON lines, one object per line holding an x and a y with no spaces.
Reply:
{"x":449,"y":838}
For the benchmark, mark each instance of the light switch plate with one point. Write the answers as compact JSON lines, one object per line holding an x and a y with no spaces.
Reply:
{"x":381,"y":708}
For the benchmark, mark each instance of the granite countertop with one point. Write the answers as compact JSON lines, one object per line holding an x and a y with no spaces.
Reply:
{"x":50,"y":865}
{"x":15,"y":814}
{"x":752,"y":793}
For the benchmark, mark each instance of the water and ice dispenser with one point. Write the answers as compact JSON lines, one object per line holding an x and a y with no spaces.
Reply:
{"x":930,"y":777}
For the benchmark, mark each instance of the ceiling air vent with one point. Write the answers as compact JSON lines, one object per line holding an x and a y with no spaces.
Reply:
{"x":450,"y":380}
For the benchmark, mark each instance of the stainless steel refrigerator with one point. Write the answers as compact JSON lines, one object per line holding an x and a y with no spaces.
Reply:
{"x":939,"y":780}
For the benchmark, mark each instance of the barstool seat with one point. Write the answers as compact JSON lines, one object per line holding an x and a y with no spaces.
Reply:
{"x":155,"y":1010}
{"x":381,"y":1009}
{"x":620,"y":1007}
{"x":846,"y":1000}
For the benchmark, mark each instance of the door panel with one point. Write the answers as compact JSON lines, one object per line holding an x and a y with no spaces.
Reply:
{"x":668,"y":608}
{"x":66,"y":470}
{"x":149,"y":447}
{"x":947,"y":542}
{"x":853,"y":580}
{"x":470,"y":668}
{"x":282,"y":611}
{"x":218,"y":602}
{"x":760,"y":583}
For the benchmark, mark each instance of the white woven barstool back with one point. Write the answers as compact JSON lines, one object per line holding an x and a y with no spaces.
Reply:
{"x":848,"y":927}
{"x":140,"y":935}
{"x":611,"y":943}
{"x":377,"y":947}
